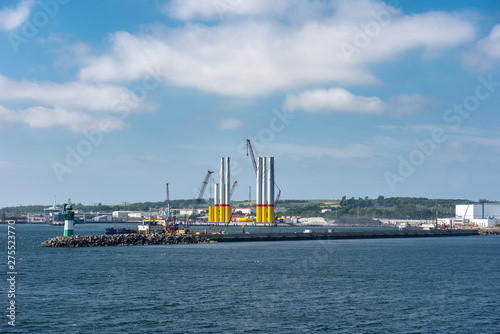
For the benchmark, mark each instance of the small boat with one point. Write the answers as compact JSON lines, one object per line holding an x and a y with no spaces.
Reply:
{"x":110,"y":230}
{"x":125,"y":231}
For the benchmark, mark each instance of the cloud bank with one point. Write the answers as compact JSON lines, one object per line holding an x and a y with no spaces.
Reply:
{"x":340,"y":100}
{"x":485,"y":55}
{"x":258,"y":52}
{"x":13,"y":18}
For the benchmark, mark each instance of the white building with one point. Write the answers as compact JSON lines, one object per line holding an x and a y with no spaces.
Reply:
{"x":133,"y":214}
{"x":120,"y":214}
{"x":102,"y":218}
{"x":246,"y":211}
{"x":475,"y":211}
{"x":476,"y":215}
{"x":253,"y":210}
{"x":487,"y":222}
{"x":189,"y":212}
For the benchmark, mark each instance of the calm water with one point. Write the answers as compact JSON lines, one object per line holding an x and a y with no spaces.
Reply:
{"x":431,"y":285}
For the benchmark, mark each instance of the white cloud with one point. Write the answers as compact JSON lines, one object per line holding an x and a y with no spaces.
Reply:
{"x":94,"y":97}
{"x":404,"y":104}
{"x":13,"y":18}
{"x":7,"y":117}
{"x":493,"y":143}
{"x":333,"y":99}
{"x":485,"y":55}
{"x":74,"y":106}
{"x":351,"y":151}
{"x":40,"y":117}
{"x":257,"y":55}
{"x":230,"y":123}
{"x":6,"y":164}
{"x":221,"y":9}
{"x":429,"y":128}
{"x":339,"y":99}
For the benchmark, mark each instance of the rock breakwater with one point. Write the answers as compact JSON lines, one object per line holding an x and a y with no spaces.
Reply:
{"x":124,"y":240}
{"x":490,"y":231}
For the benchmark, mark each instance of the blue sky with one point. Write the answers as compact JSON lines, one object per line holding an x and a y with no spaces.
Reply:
{"x":105,"y":101}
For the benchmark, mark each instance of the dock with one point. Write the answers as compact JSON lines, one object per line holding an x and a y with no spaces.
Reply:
{"x":291,"y":236}
{"x":166,"y":239}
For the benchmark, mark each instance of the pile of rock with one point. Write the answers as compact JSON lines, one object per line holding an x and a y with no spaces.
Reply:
{"x":490,"y":231}
{"x":124,"y":240}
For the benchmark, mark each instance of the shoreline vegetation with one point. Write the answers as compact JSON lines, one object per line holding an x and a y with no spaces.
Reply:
{"x":390,"y":208}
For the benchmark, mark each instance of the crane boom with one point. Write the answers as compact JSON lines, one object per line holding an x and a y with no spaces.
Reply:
{"x":252,"y":155}
{"x":203,"y":187}
{"x":232,"y":189}
{"x":167,"y":209}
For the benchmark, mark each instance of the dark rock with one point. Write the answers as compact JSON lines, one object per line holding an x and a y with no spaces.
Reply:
{"x":123,"y":240}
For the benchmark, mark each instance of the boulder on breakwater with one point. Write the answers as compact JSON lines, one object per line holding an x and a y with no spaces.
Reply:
{"x":490,"y":231}
{"x":124,"y":240}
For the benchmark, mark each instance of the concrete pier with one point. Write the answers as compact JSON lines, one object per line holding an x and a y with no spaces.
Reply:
{"x":165,"y":239}
{"x":289,"y":236}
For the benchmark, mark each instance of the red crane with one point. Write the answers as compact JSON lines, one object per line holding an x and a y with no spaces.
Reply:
{"x":167,"y":209}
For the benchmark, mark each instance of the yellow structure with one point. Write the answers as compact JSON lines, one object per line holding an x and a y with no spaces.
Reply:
{"x":222,"y":213}
{"x":228,"y":213}
{"x":264,"y":214}
{"x":270,"y":214}
{"x":244,"y":220}
{"x":265,"y":190}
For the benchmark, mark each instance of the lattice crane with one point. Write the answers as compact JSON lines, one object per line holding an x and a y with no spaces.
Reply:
{"x":232,"y":189}
{"x":203,"y":187}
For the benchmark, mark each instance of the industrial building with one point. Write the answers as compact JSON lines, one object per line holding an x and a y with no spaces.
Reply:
{"x":481,"y":215}
{"x":103,"y":218}
{"x":189,"y":212}
{"x":133,"y":214}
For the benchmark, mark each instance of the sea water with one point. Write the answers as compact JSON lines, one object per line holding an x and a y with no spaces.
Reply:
{"x":419,"y":285}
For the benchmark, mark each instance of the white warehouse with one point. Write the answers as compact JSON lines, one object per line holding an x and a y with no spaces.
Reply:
{"x":482,"y":216}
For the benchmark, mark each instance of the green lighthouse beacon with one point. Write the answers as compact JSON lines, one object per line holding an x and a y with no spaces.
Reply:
{"x":69,"y":217}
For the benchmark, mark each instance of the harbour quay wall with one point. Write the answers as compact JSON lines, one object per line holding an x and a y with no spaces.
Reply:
{"x":123,"y":240}
{"x":288,"y":236}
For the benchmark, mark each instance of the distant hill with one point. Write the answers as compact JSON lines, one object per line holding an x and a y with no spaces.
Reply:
{"x":381,"y":207}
